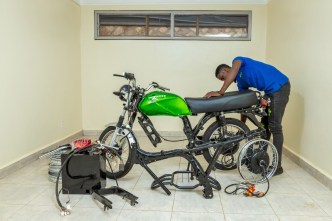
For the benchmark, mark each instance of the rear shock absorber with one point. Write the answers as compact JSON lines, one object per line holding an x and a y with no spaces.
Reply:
{"x":222,"y":120}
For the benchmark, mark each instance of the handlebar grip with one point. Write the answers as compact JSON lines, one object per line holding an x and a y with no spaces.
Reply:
{"x":118,"y":75}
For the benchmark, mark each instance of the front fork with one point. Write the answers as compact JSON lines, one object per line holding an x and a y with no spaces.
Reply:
{"x":118,"y":130}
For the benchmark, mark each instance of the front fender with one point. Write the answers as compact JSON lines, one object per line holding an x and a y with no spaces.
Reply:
{"x":111,"y":124}
{"x":131,"y":137}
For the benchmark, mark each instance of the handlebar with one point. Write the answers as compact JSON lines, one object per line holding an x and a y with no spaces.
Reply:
{"x":129,"y":76}
{"x":156,"y":85}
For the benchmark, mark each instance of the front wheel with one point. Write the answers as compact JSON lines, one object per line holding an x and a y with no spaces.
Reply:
{"x":227,"y":159}
{"x":125,"y":151}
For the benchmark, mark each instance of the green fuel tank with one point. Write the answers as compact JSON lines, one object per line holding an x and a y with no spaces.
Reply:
{"x":160,"y":103}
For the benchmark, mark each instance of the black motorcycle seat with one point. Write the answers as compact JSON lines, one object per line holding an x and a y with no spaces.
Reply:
{"x":230,"y":101}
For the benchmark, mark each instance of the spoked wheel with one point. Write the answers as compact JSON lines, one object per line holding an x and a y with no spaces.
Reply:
{"x":125,"y":151}
{"x":258,"y":160}
{"x":228,"y":158}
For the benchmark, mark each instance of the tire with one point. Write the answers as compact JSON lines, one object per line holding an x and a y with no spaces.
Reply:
{"x":127,"y":154}
{"x":228,"y":159}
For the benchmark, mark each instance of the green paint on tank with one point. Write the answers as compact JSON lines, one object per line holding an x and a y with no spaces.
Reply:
{"x":159,"y":103}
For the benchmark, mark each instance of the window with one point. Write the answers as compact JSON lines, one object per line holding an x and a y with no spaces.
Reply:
{"x":134,"y":25}
{"x":186,"y":25}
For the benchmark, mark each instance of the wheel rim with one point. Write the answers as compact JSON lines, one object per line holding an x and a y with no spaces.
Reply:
{"x":251,"y":154}
{"x":122,"y":142}
{"x":229,"y":158}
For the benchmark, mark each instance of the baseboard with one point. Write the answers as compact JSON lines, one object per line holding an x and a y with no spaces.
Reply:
{"x":34,"y":156}
{"x":303,"y":163}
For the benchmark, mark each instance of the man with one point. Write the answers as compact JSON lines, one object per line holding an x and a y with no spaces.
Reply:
{"x":249,"y":73}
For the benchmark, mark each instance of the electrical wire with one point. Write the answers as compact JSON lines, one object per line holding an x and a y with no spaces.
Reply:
{"x":172,"y":140}
{"x":245,"y":186}
{"x":57,"y":192}
{"x":75,"y":151}
{"x":109,"y":164}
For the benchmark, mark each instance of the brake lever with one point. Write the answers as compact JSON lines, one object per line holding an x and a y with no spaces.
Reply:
{"x":165,"y":89}
{"x":154,"y":84}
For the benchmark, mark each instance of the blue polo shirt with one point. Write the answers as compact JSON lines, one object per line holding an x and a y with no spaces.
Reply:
{"x":256,"y":74}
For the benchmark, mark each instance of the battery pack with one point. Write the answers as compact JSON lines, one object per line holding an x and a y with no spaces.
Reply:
{"x":83,"y":173}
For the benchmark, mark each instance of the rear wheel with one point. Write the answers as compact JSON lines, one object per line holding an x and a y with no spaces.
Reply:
{"x":257,"y":161}
{"x":125,"y":151}
{"x":227,"y":160}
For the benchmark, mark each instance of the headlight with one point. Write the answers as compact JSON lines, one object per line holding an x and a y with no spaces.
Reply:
{"x":124,"y":91}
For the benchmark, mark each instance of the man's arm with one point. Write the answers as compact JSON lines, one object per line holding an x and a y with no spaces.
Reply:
{"x":212,"y":94}
{"x":231,"y":76}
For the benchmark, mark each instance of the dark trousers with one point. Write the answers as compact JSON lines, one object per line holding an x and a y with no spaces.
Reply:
{"x":279,"y":100}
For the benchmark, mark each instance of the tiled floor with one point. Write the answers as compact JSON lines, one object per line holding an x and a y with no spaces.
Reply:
{"x":294,"y":195}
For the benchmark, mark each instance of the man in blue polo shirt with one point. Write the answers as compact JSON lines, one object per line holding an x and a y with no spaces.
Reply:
{"x":249,"y":73}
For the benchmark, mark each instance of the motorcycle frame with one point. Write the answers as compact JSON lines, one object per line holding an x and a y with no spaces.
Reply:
{"x":189,"y":131}
{"x":144,"y":158}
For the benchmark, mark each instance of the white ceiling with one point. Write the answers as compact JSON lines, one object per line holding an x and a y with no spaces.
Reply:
{"x":167,"y":2}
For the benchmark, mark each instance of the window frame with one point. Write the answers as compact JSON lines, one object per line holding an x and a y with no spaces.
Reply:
{"x":172,"y":13}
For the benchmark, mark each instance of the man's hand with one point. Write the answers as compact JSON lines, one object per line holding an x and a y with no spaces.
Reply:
{"x":212,"y":94}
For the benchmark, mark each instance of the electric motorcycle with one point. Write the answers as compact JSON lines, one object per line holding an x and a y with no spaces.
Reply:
{"x":141,"y":104}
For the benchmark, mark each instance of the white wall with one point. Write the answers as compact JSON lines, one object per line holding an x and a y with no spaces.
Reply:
{"x":41,"y":70}
{"x":187,"y":67}
{"x":299,"y":43}
{"x":40,"y":90}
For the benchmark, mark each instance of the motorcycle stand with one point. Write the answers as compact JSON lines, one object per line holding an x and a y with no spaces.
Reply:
{"x":99,"y":195}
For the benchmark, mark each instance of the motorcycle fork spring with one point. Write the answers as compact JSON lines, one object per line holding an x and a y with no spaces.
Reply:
{"x":222,"y":120}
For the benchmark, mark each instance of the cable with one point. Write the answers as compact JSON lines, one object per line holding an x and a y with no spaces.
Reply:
{"x":172,"y":140}
{"x":109,"y":164}
{"x":268,"y":182}
{"x":245,"y":186}
{"x":249,"y":188}
{"x":65,"y":210}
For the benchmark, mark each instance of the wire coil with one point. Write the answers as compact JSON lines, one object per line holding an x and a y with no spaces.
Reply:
{"x":55,"y":163}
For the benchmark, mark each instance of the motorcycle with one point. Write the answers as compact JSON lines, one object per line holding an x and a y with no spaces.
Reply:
{"x":140,"y":104}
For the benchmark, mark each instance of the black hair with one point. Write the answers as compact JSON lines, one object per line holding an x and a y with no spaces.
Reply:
{"x":221,"y":67}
